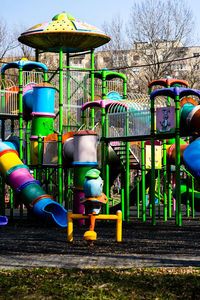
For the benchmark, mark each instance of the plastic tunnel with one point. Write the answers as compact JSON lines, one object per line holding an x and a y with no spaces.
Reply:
{"x":186,"y":194}
{"x":192,"y":158}
{"x":190,"y":119}
{"x":190,"y":124}
{"x":26,"y":188}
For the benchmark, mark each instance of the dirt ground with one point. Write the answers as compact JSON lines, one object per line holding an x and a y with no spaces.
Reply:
{"x":138,"y":238}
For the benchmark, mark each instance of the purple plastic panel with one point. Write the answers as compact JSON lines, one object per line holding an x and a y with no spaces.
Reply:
{"x":165,"y":119}
{"x":78,"y":207}
{"x":28,"y":87}
{"x":99,"y":103}
{"x":42,"y":114}
{"x":175,"y":91}
{"x":102,"y":103}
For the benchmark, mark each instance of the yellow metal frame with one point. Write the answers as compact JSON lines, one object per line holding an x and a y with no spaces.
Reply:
{"x":117,"y":217}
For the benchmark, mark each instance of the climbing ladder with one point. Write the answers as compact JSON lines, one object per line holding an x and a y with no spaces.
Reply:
{"x":121,"y":151}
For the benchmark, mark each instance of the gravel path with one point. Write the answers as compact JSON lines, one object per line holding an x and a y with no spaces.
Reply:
{"x":33,"y":245}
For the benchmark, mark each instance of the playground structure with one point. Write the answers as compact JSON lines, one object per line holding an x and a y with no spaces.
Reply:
{"x":71,"y":121}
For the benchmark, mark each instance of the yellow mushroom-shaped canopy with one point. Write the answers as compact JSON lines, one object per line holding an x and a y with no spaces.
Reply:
{"x":64,"y":31}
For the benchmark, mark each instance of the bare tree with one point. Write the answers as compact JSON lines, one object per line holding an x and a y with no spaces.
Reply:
{"x":155,"y":36}
{"x":191,"y":74}
{"x":115,"y":29}
{"x":22,"y":50}
{"x":159,"y":30}
{"x":7,"y":40}
{"x":25,"y":51}
{"x":118,"y":47}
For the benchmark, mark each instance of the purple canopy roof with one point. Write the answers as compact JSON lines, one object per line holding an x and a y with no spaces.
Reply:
{"x":103,"y":103}
{"x":175,"y":91}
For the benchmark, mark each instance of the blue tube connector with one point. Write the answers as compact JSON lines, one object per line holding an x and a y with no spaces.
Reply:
{"x":192,"y":158}
{"x":3,"y":220}
{"x":47,"y":208}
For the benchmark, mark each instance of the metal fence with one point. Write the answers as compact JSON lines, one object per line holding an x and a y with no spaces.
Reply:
{"x":9,"y":104}
{"x":125,"y":120}
{"x":32,"y":77}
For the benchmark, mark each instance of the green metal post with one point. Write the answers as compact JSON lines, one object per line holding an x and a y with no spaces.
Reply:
{"x":2,"y":180}
{"x":103,"y":134}
{"x":21,"y":125}
{"x":152,"y":187}
{"x":107,"y":168}
{"x":103,"y":125}
{"x":3,"y":100}
{"x":158,"y":185}
{"x":11,"y":205}
{"x":127,"y":169}
{"x":51,"y":181}
{"x":28,"y":131}
{"x":122,"y":193}
{"x":47,"y":180}
{"x":169,"y":193}
{"x":60,"y":173}
{"x":92,"y":87}
{"x":11,"y":190}
{"x":39,"y":175}
{"x":103,"y":84}
{"x":20,"y":113}
{"x":61,"y":90}
{"x":45,"y":76}
{"x":35,"y":173}
{"x":193,"y":211}
{"x":177,"y":163}
{"x":188,"y":200}
{"x":165,"y":179}
{"x":150,"y":202}
{"x":188,"y":185}
{"x":68,"y":192}
{"x":168,"y":98}
{"x":107,"y":178}
{"x":68,"y":94}
{"x":143,"y":182}
{"x":169,"y":178}
{"x":103,"y":148}
{"x":124,"y":89}
{"x":138,"y":196}
{"x":149,"y":90}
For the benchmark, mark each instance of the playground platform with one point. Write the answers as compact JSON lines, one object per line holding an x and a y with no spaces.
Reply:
{"x":28,"y":245}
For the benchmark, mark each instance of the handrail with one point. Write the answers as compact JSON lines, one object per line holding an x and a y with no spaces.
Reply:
{"x":186,"y":171}
{"x":130,"y":150}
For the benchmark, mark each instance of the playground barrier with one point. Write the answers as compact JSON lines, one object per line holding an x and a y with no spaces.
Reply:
{"x":117,"y":217}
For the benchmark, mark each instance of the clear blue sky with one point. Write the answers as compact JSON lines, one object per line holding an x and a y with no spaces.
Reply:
{"x":26,"y":13}
{"x":29,"y":13}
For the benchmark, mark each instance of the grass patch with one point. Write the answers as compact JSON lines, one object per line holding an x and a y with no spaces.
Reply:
{"x":138,"y":283}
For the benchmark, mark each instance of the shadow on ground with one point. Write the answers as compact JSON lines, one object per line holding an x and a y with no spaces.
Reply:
{"x":138,"y":238}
